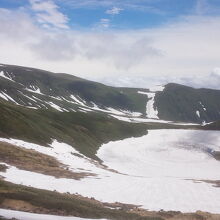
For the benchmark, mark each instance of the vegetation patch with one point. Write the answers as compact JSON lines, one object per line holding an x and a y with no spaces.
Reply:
{"x":36,"y":162}
{"x":2,"y":218}
{"x":215,"y":183}
{"x":3,"y":167}
{"x":216,"y":155}
{"x":47,"y":202}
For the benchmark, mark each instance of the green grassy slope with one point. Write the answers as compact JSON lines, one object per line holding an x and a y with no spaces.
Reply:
{"x":64,"y":85}
{"x":84,"y":131}
{"x":180,"y":103}
{"x":63,"y":204}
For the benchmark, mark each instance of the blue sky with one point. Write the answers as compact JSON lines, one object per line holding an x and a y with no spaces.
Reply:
{"x":122,"y":14}
{"x":119,"y":42}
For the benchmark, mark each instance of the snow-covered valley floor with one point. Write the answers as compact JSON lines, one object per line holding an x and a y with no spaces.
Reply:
{"x":158,"y":171}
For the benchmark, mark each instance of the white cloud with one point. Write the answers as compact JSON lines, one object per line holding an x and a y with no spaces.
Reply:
{"x":186,"y":51}
{"x":114,"y":11}
{"x":211,"y":80}
{"x":202,"y":7}
{"x":47,"y":13}
{"x":140,"y":5}
{"x":205,"y":7}
{"x":104,"y":23}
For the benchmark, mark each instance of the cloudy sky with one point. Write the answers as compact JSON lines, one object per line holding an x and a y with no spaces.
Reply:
{"x":119,"y":42}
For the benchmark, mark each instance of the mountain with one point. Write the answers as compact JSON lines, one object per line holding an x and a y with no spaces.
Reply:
{"x":183,"y":103}
{"x":38,"y":106}
{"x":41,"y":89}
{"x":38,"y":89}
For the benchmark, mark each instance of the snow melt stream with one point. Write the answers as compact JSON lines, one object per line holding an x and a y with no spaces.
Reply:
{"x":151,"y":110}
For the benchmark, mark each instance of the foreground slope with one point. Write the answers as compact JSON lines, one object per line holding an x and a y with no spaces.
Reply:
{"x":173,"y":170}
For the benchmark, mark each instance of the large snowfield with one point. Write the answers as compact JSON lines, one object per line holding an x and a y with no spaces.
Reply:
{"x":161,"y":170}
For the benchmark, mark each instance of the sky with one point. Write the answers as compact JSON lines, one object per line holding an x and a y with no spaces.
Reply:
{"x":135,"y":43}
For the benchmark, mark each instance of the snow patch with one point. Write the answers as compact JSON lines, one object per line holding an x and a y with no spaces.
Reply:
{"x":151,"y":111}
{"x":148,"y":120}
{"x":37,"y":98}
{"x":143,"y":93}
{"x":198,"y":113}
{"x":2,"y":74}
{"x":57,"y":107}
{"x":202,"y":106}
{"x":85,"y":109}
{"x":140,"y":120}
{"x":4,"y":97}
{"x":115,"y":111}
{"x":57,"y":98}
{"x":34,"y":89}
{"x":121,"y":118}
{"x":7,"y":97}
{"x":77,"y":100}
{"x":28,"y":97}
{"x":32,"y":216}
{"x":96,"y":108}
{"x":31,"y":107}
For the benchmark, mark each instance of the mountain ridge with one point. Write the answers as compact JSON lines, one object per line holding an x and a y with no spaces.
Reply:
{"x":35,"y":88}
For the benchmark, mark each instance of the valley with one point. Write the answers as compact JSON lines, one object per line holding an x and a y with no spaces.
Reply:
{"x":95,"y":151}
